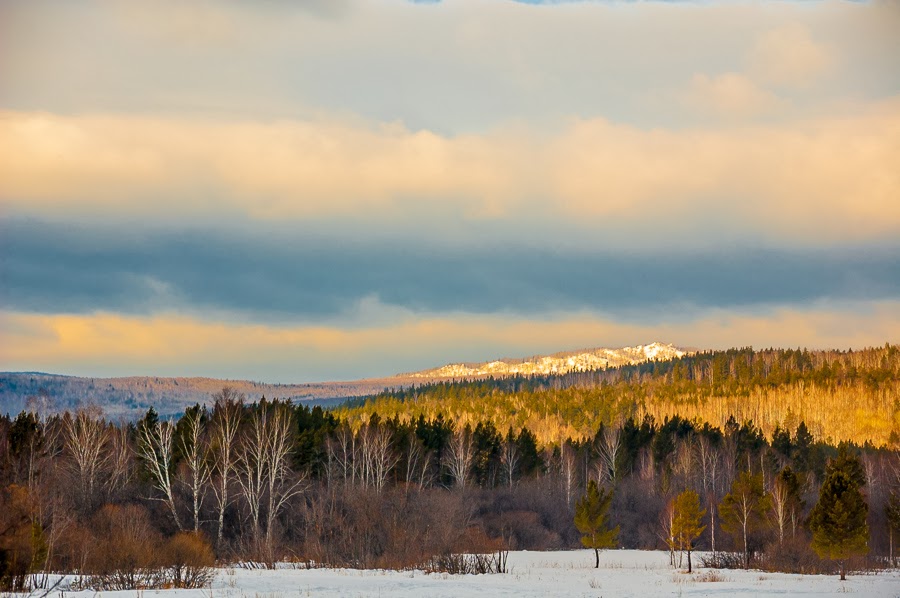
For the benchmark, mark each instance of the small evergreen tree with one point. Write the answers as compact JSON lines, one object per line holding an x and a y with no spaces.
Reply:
{"x":686,"y":525}
{"x":592,"y":520}
{"x":838,"y":521}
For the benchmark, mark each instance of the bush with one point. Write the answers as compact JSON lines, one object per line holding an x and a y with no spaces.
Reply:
{"x":190,"y":560}
{"x":795,"y":555}
{"x":127,"y":549}
{"x":723,"y":560}
{"x":23,"y":549}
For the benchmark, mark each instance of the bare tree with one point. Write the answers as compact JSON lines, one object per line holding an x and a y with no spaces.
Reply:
{"x":460,"y":454}
{"x":155,"y":444}
{"x":265,"y":477}
{"x":709,"y":465}
{"x":226,"y":421}
{"x":86,"y":439}
{"x":417,"y":463}
{"x":196,"y":459}
{"x":379,"y":455}
{"x":779,"y":495}
{"x":667,"y":529}
{"x":610,"y":445}
{"x":509,"y":455}
{"x":341,"y":455}
{"x":121,"y":466}
{"x":568,"y":472}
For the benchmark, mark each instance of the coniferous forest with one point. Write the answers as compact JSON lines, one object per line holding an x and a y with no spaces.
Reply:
{"x":779,"y":459}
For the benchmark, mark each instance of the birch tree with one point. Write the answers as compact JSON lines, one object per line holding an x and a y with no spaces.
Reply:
{"x":460,"y":454}
{"x":86,"y":439}
{"x":155,"y":443}
{"x":226,"y":421}
{"x":196,"y":459}
{"x":265,"y":476}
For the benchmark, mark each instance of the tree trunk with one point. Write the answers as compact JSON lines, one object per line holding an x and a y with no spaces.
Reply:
{"x":746,"y":550}
{"x":596,"y":558}
{"x":689,"y":559}
{"x":843,"y":572}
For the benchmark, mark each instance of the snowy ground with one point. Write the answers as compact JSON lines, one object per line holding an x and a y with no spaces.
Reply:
{"x":571,"y":573}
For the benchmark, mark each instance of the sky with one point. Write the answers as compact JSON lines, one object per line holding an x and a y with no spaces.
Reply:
{"x":298,"y":191}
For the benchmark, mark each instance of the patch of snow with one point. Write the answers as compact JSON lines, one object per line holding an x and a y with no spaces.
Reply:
{"x":533,"y":574}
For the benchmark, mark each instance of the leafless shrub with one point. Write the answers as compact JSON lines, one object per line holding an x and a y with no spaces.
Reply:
{"x":190,"y":560}
{"x":722,"y":560}
{"x":126,"y":556}
{"x":466,"y":564}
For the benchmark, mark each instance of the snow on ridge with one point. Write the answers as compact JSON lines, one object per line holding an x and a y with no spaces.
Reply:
{"x":560,"y":363}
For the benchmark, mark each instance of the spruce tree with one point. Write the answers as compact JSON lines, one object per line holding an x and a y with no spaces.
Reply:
{"x":592,"y":520}
{"x":838,"y":521}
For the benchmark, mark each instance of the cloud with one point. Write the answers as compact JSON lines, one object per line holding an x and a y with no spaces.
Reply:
{"x":731,"y":95}
{"x":830,"y":180}
{"x":109,"y":344}
{"x":788,"y":56}
{"x":287,"y":276}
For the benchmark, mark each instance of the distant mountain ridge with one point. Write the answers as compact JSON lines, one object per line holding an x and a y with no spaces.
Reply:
{"x":557,"y":363}
{"x":131,"y":396}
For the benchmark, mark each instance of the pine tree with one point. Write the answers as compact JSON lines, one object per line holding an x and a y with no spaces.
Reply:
{"x":592,"y":520}
{"x":686,"y":525}
{"x":741,"y":511}
{"x":838,"y":521}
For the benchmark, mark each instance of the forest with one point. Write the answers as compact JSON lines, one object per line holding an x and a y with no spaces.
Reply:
{"x":395,"y":482}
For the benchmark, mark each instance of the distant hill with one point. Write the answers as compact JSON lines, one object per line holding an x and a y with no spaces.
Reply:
{"x":130,"y":397}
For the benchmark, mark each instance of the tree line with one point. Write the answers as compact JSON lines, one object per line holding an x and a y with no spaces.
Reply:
{"x":133,"y":504}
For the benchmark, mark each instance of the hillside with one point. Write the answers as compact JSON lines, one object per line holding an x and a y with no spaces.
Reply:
{"x":841,"y":395}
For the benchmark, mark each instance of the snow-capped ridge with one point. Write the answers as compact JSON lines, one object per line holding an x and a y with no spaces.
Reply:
{"x":558,"y":363}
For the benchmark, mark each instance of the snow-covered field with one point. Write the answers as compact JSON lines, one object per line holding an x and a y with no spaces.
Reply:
{"x":571,"y":573}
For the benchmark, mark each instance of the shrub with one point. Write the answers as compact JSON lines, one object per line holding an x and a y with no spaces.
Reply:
{"x":127,"y":549}
{"x":23,"y":548}
{"x":190,"y":560}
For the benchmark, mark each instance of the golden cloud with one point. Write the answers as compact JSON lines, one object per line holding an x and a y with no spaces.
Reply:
{"x":832,"y":179}
{"x":173,"y":343}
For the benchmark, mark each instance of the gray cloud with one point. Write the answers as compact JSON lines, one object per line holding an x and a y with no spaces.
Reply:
{"x":51,"y":267}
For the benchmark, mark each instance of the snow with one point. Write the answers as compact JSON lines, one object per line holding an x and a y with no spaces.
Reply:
{"x":593,"y":359}
{"x":568,"y":573}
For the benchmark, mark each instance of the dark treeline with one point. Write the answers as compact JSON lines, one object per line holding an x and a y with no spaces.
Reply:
{"x":268,"y":481}
{"x":840,"y":395}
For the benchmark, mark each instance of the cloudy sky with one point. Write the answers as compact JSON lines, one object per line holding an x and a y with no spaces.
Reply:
{"x":332,"y":189}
